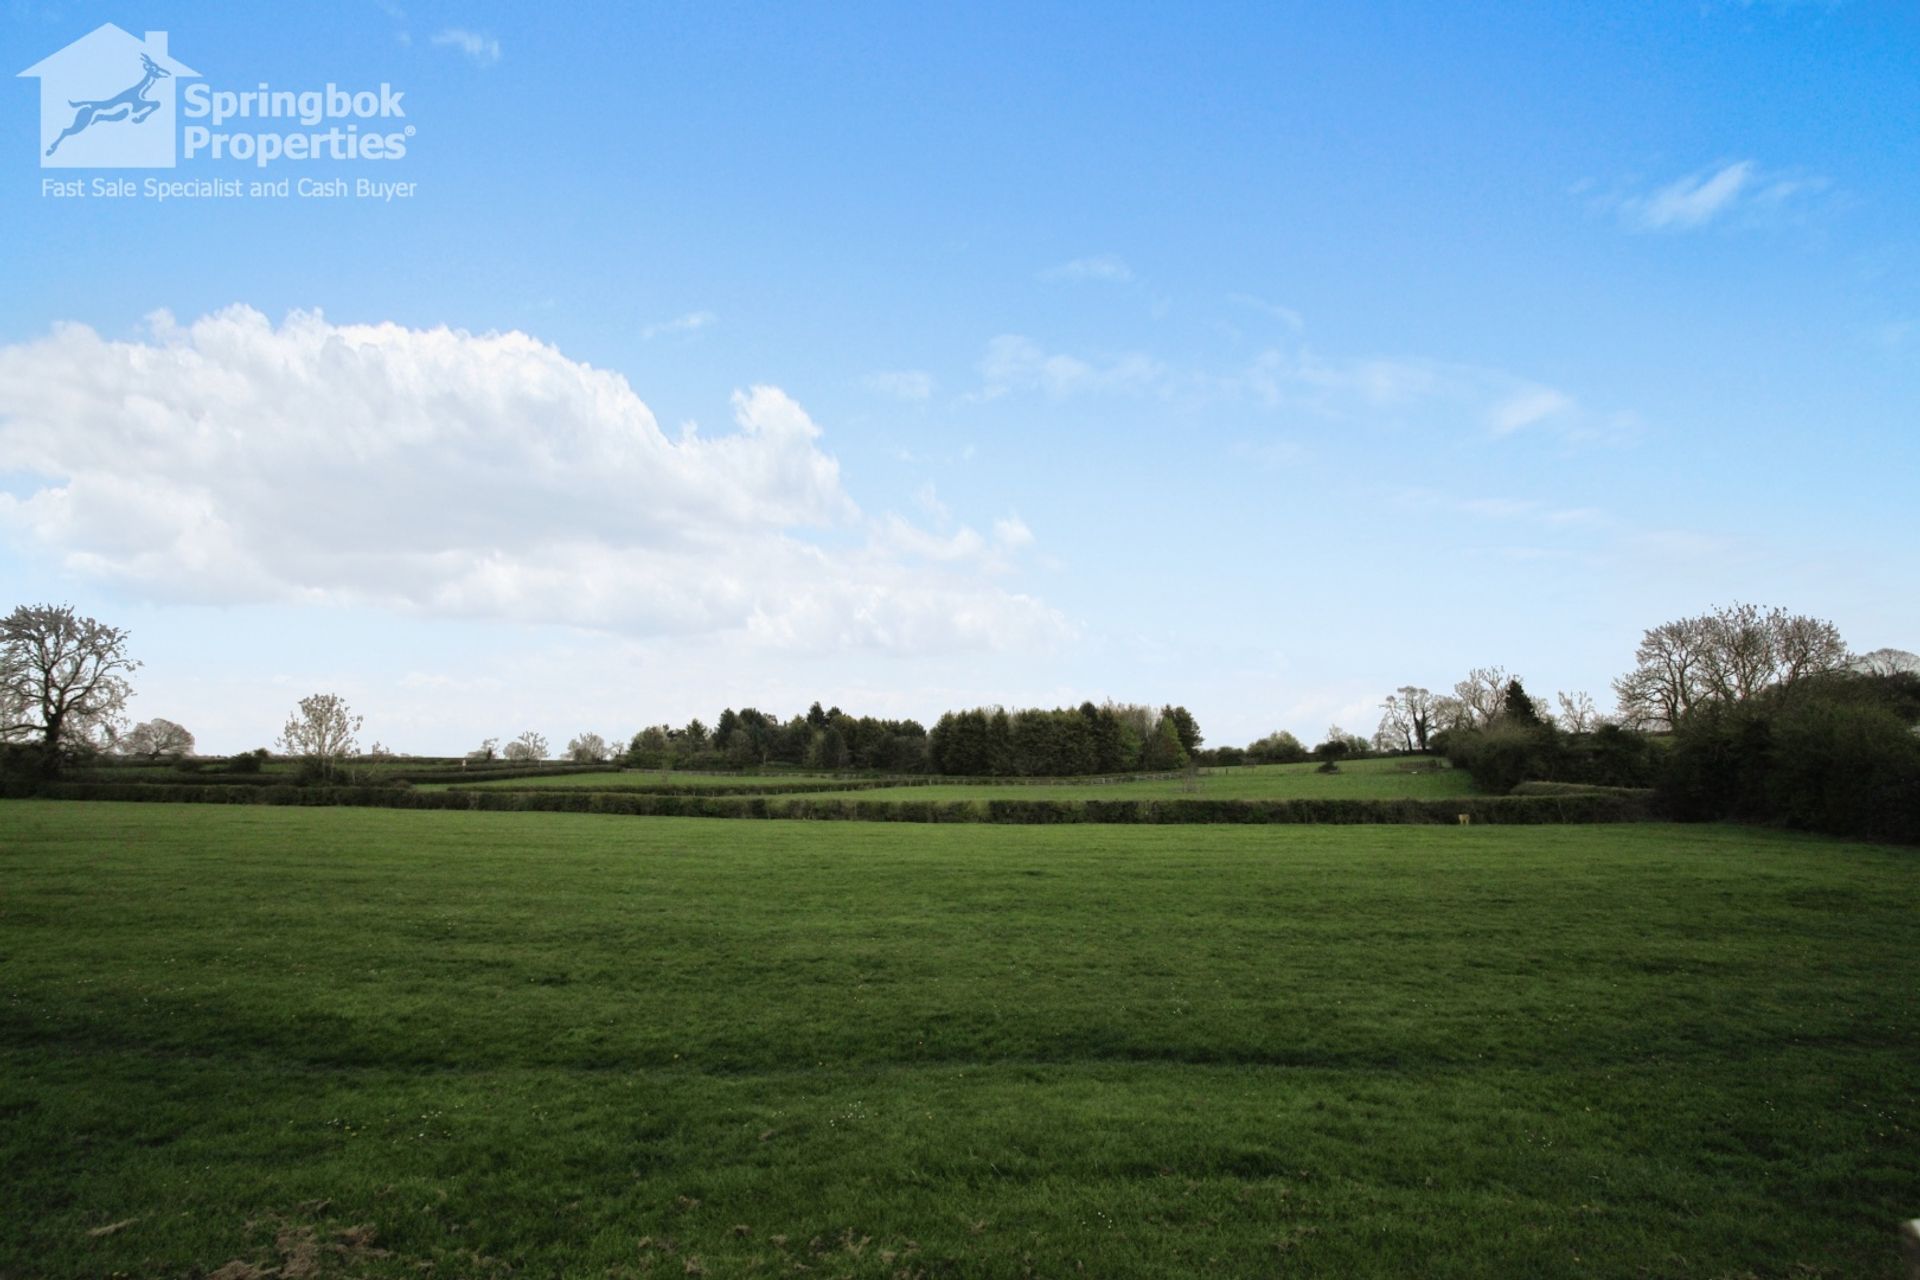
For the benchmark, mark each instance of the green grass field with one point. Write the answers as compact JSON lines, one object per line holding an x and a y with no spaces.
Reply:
{"x":635,"y":779}
{"x":1360,"y":780}
{"x":358,"y":1042}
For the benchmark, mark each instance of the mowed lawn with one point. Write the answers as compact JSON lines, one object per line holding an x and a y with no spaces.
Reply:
{"x":356,"y":1042}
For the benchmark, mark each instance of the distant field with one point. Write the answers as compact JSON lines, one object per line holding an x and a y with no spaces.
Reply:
{"x":649,"y":779}
{"x":1360,"y":780}
{"x":385,"y":1044}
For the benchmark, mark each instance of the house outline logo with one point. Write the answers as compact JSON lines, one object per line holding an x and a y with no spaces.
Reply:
{"x":109,"y":100}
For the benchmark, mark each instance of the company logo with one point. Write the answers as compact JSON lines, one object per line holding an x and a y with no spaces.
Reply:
{"x":107,"y":101}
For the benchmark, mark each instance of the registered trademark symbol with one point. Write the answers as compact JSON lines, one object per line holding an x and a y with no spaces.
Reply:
{"x":409,"y":131}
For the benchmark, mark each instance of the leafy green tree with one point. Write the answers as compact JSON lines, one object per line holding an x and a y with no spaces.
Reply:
{"x":1185,"y":726}
{"x":1164,"y":752}
{"x":1279,"y":747}
{"x":1517,"y":708}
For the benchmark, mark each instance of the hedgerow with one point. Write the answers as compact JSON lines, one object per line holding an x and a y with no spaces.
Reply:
{"x":1596,"y":806}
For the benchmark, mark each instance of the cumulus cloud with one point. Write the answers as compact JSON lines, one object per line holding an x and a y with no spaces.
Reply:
{"x":456,"y":474}
{"x":480,"y":48}
{"x":1102,"y":269}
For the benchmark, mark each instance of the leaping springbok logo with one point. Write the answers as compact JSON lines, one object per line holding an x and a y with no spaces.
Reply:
{"x":132,"y":105}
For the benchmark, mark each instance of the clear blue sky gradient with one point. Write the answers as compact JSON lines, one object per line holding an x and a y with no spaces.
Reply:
{"x":852,"y":190}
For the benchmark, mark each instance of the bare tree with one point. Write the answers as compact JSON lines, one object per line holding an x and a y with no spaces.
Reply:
{"x":321,"y":730}
{"x":1728,"y":655}
{"x":1450,"y":713}
{"x":1577,"y":712}
{"x":64,"y":677}
{"x":155,"y":738}
{"x":529,"y":746}
{"x":1886,"y":662}
{"x":1409,"y":717}
{"x":1395,"y":732}
{"x":1483,"y":695}
{"x":588,"y":748}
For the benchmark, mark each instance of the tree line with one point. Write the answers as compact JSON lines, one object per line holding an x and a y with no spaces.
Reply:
{"x":1739,"y":712}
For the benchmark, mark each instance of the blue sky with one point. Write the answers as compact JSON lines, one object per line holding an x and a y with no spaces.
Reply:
{"x":1260,"y":358}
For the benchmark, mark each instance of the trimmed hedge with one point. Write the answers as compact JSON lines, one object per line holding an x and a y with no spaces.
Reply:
{"x":1502,"y":810}
{"x":399,"y":771}
{"x":775,"y":788}
{"x":1579,"y":789}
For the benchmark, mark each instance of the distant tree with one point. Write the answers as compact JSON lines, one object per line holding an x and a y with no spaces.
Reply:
{"x":588,"y":748}
{"x":1337,"y":747}
{"x":487,"y":750}
{"x":528,"y":747}
{"x":247,"y":761}
{"x":63,"y":679}
{"x":740,"y":750}
{"x":1577,"y":713}
{"x":1395,"y":731}
{"x":1449,"y":714}
{"x":321,"y":732}
{"x":1185,"y":726}
{"x":155,"y":738}
{"x":1408,"y":716}
{"x":1278,"y":747}
{"x":695,"y":737}
{"x":1482,"y":696}
{"x":651,"y":748}
{"x":828,"y":749}
{"x":1885,"y":662}
{"x":1518,"y":708}
{"x":379,"y":751}
{"x":1164,"y":752}
{"x":1725,"y":657}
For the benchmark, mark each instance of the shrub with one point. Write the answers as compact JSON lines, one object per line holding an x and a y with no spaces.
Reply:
{"x":1839,"y":756}
{"x":247,"y":761}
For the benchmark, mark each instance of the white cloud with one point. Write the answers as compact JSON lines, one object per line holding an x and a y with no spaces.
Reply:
{"x":1273,"y":310}
{"x":480,"y":48}
{"x":1016,"y":363}
{"x":446,"y":473}
{"x":1102,"y":269}
{"x":1528,"y":407}
{"x":900,"y":384}
{"x":1412,"y":390}
{"x":1692,"y":201}
{"x":1738,"y":191}
{"x":692,"y":322}
{"x":927,"y":498}
{"x":1012,"y":533}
